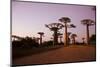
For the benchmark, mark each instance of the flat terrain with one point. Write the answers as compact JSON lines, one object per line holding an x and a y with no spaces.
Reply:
{"x":63,"y":54}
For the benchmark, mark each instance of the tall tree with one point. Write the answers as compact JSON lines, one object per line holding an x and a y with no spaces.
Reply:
{"x":41,"y":34}
{"x":66,"y":20}
{"x":87,"y":22}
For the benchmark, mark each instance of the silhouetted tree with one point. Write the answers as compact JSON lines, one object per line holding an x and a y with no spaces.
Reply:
{"x":87,"y":22}
{"x":55,"y":27}
{"x":73,"y":38}
{"x":41,"y":34}
{"x":27,"y":42}
{"x":66,"y":20}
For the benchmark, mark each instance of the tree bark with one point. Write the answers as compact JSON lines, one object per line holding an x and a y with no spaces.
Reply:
{"x":55,"y":37}
{"x":66,"y":38}
{"x":87,"y":28}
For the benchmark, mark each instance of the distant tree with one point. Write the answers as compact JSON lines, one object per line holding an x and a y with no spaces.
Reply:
{"x":27,"y":42}
{"x":73,"y":36}
{"x":41,"y":35}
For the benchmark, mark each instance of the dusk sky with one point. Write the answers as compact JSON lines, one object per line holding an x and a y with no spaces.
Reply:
{"x":29,"y":18}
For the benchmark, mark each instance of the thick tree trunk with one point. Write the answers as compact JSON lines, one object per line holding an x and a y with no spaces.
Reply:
{"x":55,"y":37}
{"x":66,"y":38}
{"x":74,"y":40}
{"x":87,"y":28}
{"x":40,"y":39}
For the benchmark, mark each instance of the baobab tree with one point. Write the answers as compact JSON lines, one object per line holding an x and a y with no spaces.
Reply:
{"x":66,"y":20}
{"x":41,"y":34}
{"x":73,"y":36}
{"x":55,"y":27}
{"x":87,"y":22}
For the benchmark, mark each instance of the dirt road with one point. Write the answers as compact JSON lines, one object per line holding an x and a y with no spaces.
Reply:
{"x":63,"y":54}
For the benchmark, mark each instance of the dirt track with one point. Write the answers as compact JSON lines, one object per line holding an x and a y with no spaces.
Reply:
{"x":63,"y":54}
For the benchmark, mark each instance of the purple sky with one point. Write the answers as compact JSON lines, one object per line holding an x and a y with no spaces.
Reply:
{"x":28,"y":18}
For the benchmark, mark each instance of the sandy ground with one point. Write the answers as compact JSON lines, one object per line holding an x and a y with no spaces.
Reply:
{"x":63,"y":54}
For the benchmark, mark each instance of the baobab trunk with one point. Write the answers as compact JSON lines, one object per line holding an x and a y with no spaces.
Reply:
{"x":40,"y":39}
{"x":55,"y":37}
{"x":74,"y":41}
{"x":66,"y":37}
{"x":83,"y":42}
{"x":87,"y":28}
